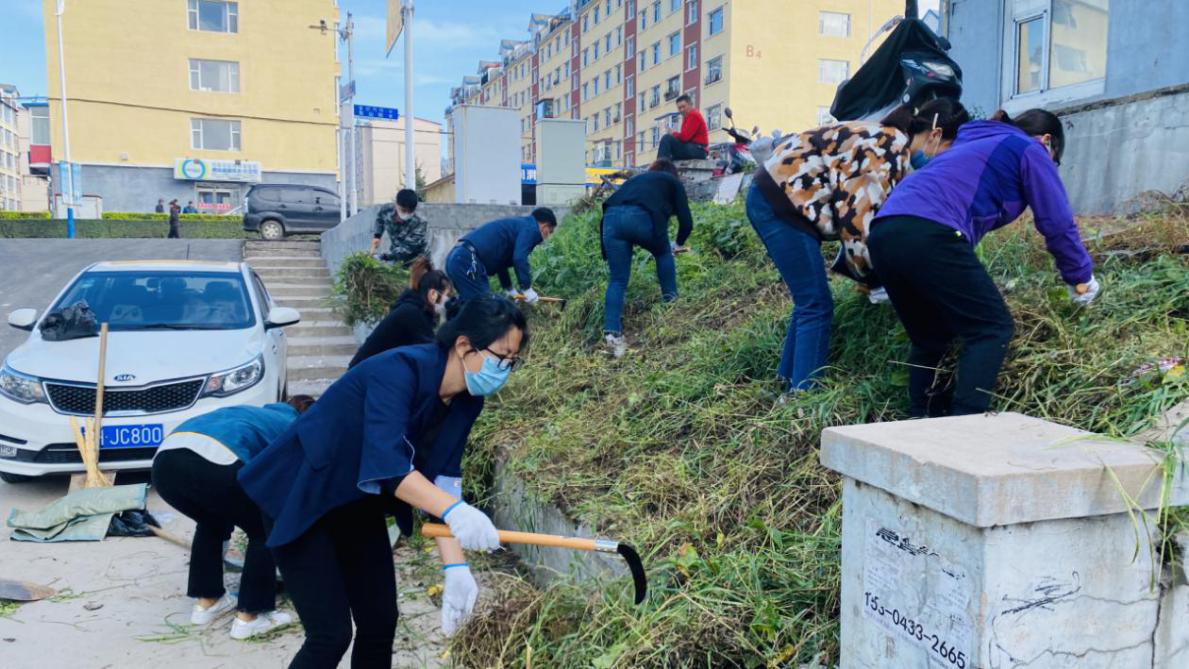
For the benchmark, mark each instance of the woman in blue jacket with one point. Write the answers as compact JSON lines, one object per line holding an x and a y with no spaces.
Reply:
{"x":388,"y":435}
{"x":922,"y":247}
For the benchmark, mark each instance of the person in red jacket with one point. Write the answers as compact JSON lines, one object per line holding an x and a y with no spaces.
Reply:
{"x":690,"y":142}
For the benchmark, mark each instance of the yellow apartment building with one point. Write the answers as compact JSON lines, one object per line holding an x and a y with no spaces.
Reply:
{"x":195,"y":99}
{"x":776,"y":63}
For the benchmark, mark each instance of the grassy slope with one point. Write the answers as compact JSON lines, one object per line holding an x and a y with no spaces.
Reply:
{"x":681,"y":449}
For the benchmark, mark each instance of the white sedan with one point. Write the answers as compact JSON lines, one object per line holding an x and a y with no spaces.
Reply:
{"x":186,"y":337}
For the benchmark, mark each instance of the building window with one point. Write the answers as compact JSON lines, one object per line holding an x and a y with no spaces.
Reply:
{"x":214,"y":16}
{"x":619,"y":36}
{"x":714,"y":69}
{"x":832,"y":71}
{"x":655,"y":98}
{"x":691,"y":14}
{"x":691,"y":57}
{"x":595,"y":55}
{"x":585,"y":23}
{"x":643,"y":21}
{"x":607,"y":117}
{"x":643,"y":60}
{"x":672,"y":87}
{"x":656,"y":136}
{"x":675,"y":43}
{"x":674,"y":6}
{"x":714,"y":117}
{"x":656,"y":11}
{"x":643,"y":99}
{"x":566,"y":69}
{"x":607,"y":80}
{"x":618,"y":74}
{"x":656,"y":53}
{"x":40,"y":129}
{"x":823,"y":116}
{"x":585,"y":57}
{"x":833,"y":24}
{"x":214,"y":134}
{"x":630,"y":49}
{"x":1058,"y":43}
{"x":596,"y":15}
{"x":214,"y":75}
{"x":715,"y":20}
{"x":607,"y":45}
{"x":585,"y":92}
{"x":618,"y":111}
{"x":594,"y":89}
{"x":629,"y":126}
{"x":631,"y":8}
{"x":629,"y":87}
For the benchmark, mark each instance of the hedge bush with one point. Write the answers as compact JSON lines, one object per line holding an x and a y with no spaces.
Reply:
{"x":23,"y":215}
{"x":116,"y":229}
{"x":152,"y":216}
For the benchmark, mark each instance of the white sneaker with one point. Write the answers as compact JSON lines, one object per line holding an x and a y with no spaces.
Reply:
{"x":617,"y":345}
{"x":265,"y":622}
{"x":201,"y":616}
{"x":879,"y":296}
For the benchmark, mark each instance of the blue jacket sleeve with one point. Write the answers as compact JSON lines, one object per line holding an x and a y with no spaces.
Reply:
{"x":685,"y":222}
{"x":526,"y":240}
{"x":386,"y":452}
{"x":1053,"y":216}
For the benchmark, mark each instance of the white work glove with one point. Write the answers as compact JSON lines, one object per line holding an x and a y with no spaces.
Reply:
{"x":531,"y":296}
{"x":878,"y":296}
{"x":1083,"y":299}
{"x":471,"y":527}
{"x":458,"y":597}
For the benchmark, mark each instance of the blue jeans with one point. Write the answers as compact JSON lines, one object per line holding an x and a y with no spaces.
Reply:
{"x":467,"y":273}
{"x":798,"y":258}
{"x":624,"y":228}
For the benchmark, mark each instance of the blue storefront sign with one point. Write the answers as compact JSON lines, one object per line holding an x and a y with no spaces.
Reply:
{"x":528,"y":174}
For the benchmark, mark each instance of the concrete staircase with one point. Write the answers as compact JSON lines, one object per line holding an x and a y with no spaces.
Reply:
{"x":320,"y":346}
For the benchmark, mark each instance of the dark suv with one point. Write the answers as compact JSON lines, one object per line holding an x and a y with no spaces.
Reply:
{"x":275,"y":210}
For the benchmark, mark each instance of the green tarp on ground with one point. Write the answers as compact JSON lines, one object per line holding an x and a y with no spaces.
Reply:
{"x":83,"y":515}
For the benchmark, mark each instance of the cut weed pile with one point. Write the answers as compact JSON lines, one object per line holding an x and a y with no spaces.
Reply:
{"x":683,"y":449}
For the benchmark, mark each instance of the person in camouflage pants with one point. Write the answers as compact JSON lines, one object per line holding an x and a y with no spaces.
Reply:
{"x":406,"y":230}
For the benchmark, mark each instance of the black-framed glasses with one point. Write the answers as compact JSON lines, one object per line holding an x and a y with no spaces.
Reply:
{"x":507,"y":362}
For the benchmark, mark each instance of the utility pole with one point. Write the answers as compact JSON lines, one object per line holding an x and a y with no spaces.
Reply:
{"x":410,"y":120}
{"x":63,"y":180}
{"x":348,"y":34}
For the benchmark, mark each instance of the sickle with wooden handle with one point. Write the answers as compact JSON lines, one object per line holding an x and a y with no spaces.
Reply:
{"x":635,"y":565}
{"x":542,"y":298}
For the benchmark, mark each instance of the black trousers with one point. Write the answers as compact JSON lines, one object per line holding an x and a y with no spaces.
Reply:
{"x":210,"y":495}
{"x":942,"y":294}
{"x":174,"y":229}
{"x":341,"y":570}
{"x":672,"y":148}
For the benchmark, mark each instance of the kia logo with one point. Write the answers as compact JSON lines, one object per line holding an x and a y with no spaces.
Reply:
{"x":123,"y":378}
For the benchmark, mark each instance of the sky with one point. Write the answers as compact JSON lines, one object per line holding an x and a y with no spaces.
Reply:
{"x":450,"y":38}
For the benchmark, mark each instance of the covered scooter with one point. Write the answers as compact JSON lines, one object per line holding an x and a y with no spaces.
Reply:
{"x":912,"y":66}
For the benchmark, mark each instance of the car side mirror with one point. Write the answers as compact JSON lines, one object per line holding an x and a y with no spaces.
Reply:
{"x":279,"y":317}
{"x":23,"y":319}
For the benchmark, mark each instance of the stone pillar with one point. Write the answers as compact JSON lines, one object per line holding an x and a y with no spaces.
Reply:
{"x":997,"y":541}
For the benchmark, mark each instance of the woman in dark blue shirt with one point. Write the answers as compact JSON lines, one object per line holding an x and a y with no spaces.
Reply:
{"x":388,"y":435}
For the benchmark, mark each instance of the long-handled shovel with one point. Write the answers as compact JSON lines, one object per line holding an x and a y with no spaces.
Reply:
{"x":437,"y":530}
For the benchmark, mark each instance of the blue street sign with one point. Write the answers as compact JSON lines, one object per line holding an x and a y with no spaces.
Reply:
{"x":528,"y":174}
{"x":368,"y":111}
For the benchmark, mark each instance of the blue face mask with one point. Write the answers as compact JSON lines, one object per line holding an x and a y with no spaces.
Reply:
{"x":919,"y":160}
{"x":489,"y":379}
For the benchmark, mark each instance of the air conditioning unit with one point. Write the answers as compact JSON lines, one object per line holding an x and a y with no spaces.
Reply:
{"x":616,"y":119}
{"x":669,"y":95}
{"x":711,"y":78}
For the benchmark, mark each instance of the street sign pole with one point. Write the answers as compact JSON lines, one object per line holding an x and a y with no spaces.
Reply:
{"x":410,"y":118}
{"x":353,"y":205}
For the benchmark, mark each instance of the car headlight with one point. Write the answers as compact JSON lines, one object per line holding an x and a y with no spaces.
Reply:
{"x":235,"y":380}
{"x":940,"y":69}
{"x":19,"y":387}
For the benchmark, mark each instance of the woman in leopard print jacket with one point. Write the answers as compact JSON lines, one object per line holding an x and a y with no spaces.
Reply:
{"x":827,"y":184}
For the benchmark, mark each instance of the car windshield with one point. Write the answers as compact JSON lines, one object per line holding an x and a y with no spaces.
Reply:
{"x":164,"y":300}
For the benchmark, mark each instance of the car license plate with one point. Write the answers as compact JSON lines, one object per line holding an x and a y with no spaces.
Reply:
{"x":132,"y":436}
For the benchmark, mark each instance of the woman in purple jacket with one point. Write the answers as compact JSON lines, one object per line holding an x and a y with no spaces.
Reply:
{"x":922,"y":247}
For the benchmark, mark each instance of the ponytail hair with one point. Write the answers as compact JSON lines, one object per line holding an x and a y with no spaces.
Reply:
{"x":944,"y":113}
{"x":424,"y":278}
{"x":1037,"y":122}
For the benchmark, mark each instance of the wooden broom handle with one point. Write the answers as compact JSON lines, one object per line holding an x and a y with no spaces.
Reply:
{"x":439,"y":531}
{"x":99,"y":384}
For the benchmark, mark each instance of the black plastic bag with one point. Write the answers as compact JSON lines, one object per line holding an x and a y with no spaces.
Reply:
{"x":132,"y":523}
{"x":74,"y":322}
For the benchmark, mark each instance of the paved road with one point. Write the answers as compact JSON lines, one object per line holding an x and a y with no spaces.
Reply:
{"x":34,"y":270}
